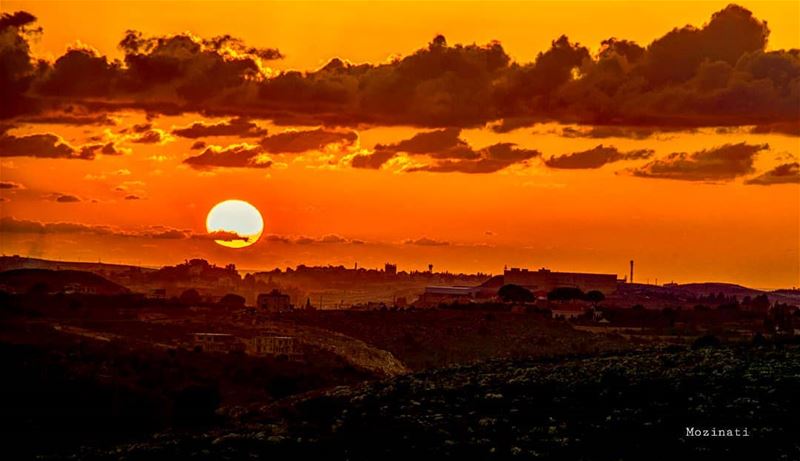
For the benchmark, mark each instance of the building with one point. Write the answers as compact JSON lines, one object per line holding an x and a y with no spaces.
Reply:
{"x":275,"y":346}
{"x":217,"y":342}
{"x":390,"y":269}
{"x":274,"y":302}
{"x":545,"y":280}
{"x":435,"y":295}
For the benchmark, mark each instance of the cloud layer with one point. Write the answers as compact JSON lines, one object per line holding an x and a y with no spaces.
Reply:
{"x":718,"y":74}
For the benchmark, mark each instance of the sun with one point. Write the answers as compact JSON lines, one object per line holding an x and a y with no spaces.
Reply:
{"x":238,"y":223}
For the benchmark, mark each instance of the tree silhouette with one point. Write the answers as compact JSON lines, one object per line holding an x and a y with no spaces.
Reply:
{"x":565,"y":294}
{"x":232,"y":300}
{"x":515,"y":293}
{"x":595,"y":297}
{"x":189,"y":297}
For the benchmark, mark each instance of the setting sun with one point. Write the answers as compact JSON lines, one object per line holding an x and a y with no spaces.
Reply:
{"x":237,"y":223}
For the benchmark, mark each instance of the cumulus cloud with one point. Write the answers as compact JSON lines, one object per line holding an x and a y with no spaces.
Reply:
{"x":18,"y":68}
{"x":233,"y":156}
{"x":45,"y":145}
{"x":240,"y":127}
{"x":595,"y":157}
{"x":722,"y":163}
{"x":787,"y":173}
{"x":716,"y":74}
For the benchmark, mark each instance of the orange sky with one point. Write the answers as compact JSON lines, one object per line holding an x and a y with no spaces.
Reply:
{"x":527,"y":214}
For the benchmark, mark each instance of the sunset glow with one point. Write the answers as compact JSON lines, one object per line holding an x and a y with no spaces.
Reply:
{"x":470,"y":144}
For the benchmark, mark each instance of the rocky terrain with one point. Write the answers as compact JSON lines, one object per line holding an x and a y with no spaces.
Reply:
{"x":625,"y":406}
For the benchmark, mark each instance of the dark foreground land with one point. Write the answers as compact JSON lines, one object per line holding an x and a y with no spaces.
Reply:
{"x":627,"y":406}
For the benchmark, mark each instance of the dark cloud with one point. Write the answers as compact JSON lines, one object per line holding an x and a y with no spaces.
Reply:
{"x":787,"y":128}
{"x":226,"y":236}
{"x":65,"y":118}
{"x":448,"y":153}
{"x":424,"y":241}
{"x":18,"y":68}
{"x":292,"y":142}
{"x":630,"y":132}
{"x":10,"y":185}
{"x":240,"y":127}
{"x":332,"y":238}
{"x":132,"y":197}
{"x":45,"y":145}
{"x":109,"y":148}
{"x":722,"y":163}
{"x":150,"y":136}
{"x":507,"y":125}
{"x":441,"y":144}
{"x":718,"y":74}
{"x":788,"y":173}
{"x":234,"y":156}
{"x":278,"y":238}
{"x":595,"y":157}
{"x":197,"y":145}
{"x":489,"y":160}
{"x":66,"y":198}
{"x":11,"y":225}
{"x":372,"y":161}
{"x":80,"y":73}
{"x":304,"y":240}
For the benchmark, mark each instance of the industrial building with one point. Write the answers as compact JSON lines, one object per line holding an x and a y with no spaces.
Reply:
{"x":540,"y":282}
{"x":543,"y":281}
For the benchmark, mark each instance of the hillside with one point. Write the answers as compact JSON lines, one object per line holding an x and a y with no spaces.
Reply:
{"x":57,"y":281}
{"x":630,"y":406}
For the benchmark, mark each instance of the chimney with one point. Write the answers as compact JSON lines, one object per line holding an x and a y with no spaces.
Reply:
{"x":631,"y":271}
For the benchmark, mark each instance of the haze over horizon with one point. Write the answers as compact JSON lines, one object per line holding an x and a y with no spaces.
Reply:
{"x":675,"y":143}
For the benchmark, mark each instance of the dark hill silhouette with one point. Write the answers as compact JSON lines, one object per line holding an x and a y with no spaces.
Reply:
{"x":51,"y":281}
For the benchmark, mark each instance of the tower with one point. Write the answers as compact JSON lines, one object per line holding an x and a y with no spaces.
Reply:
{"x":631,"y":271}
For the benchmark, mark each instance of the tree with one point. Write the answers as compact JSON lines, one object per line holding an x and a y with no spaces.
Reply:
{"x":515,"y":293}
{"x":565,"y":294}
{"x":595,"y":297}
{"x":190,"y":297}
{"x":232,"y":300}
